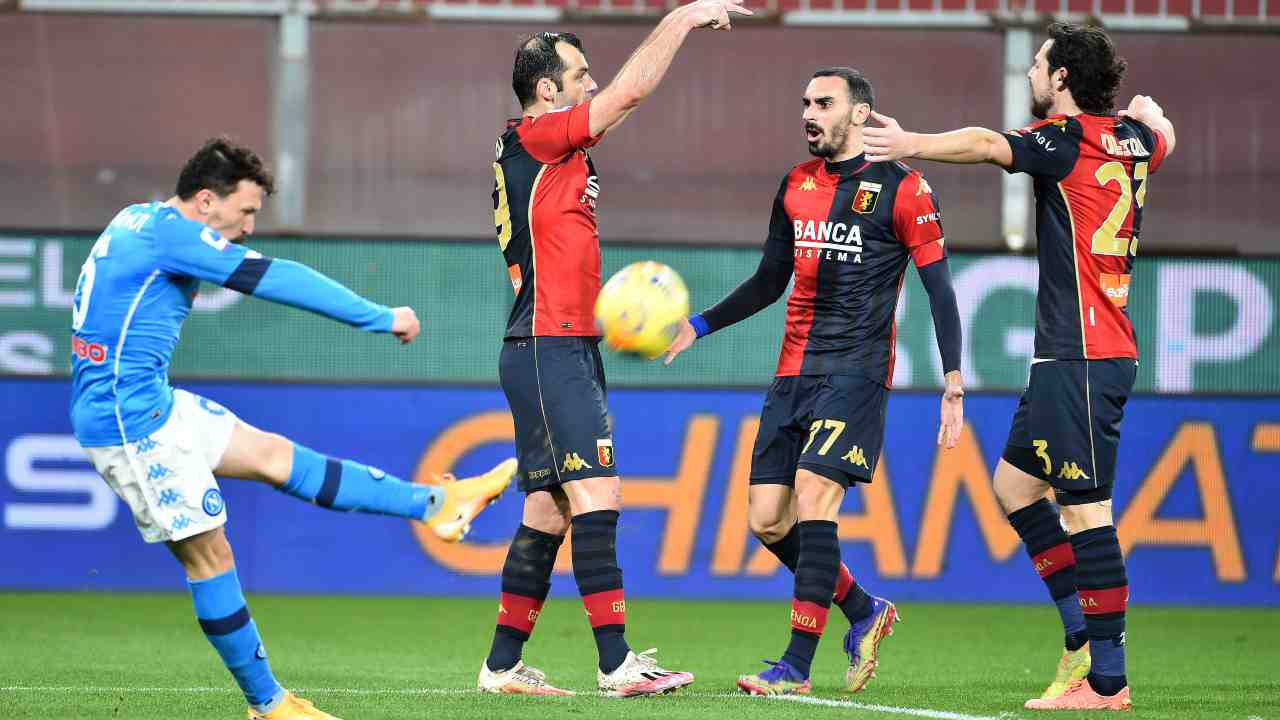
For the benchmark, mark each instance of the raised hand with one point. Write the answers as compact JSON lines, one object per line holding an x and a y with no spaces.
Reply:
{"x":714,"y":14}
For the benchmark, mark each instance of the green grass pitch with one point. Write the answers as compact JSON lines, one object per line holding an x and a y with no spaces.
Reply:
{"x":123,"y":656}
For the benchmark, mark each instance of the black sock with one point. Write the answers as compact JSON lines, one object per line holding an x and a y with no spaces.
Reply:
{"x":816,"y":573}
{"x":1046,"y":542}
{"x":1104,"y":596}
{"x":526,"y":579}
{"x":787,"y":550}
{"x":595,"y":567}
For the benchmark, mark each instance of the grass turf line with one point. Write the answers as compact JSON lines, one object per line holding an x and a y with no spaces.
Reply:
{"x":372,"y":658}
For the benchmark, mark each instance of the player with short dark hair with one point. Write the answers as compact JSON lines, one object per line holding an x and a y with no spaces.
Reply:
{"x":845,"y":228}
{"x":544,"y":205}
{"x":160,"y":448}
{"x":1090,"y":169}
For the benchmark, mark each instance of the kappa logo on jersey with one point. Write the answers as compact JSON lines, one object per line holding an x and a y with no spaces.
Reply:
{"x":864,"y":201}
{"x":856,"y":457}
{"x":1116,"y":288}
{"x":604,"y":452}
{"x":574,"y":462}
{"x":924,"y":187}
{"x":1071,"y":471}
{"x":809,"y":185}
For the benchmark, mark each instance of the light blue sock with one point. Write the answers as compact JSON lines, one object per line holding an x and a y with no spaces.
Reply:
{"x":225,"y":619}
{"x":349,"y":486}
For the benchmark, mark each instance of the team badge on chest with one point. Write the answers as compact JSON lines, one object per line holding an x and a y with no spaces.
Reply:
{"x":864,"y":201}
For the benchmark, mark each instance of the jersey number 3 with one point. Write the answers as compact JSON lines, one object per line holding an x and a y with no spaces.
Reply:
{"x":1105,"y":241}
{"x":84,"y":286}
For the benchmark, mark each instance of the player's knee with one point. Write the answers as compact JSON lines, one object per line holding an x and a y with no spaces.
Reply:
{"x":277,"y":458}
{"x":545,"y":513}
{"x":1014,"y":488}
{"x":769,"y":525}
{"x":817,"y":497}
{"x":205,"y":555}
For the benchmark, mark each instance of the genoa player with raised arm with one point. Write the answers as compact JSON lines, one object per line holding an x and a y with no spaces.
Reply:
{"x":1090,"y":169}
{"x":160,"y":448}
{"x":845,"y":228}
{"x":544,"y":203}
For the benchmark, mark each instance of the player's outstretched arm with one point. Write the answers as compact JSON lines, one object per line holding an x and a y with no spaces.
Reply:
{"x":756,"y":293}
{"x":1145,"y":110}
{"x":195,"y":250}
{"x":890,"y":142}
{"x":642,"y":72}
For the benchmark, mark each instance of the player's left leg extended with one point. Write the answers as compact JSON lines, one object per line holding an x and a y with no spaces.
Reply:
{"x":349,"y":486}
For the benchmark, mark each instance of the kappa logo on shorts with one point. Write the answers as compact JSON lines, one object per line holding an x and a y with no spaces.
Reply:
{"x":1072,"y":471}
{"x":574,"y":462}
{"x":856,"y":457}
{"x":213,"y":502}
{"x":604,"y":452}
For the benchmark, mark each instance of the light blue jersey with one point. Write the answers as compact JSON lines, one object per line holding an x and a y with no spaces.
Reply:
{"x":134,"y":291}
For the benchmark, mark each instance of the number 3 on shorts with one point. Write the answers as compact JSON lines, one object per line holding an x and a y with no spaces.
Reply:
{"x":1041,"y":447}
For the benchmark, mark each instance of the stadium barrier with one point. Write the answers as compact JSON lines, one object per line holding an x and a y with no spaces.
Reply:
{"x":1195,"y":501}
{"x":1203,"y":324}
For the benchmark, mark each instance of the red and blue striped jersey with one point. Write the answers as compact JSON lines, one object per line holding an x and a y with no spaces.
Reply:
{"x":1090,"y":174}
{"x":544,"y":206}
{"x":849,"y":229}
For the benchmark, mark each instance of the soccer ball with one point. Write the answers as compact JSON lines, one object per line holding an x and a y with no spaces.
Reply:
{"x":639,"y":310}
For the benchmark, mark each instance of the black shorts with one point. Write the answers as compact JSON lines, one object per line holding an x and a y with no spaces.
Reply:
{"x":556,"y":389}
{"x":832,"y":425}
{"x":1066,"y":430}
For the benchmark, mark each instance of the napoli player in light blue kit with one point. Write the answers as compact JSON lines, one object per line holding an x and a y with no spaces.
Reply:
{"x":160,"y":448}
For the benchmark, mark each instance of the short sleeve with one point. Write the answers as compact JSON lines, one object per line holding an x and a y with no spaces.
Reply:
{"x":917,"y":220}
{"x":552,"y":135}
{"x":1046,"y":149}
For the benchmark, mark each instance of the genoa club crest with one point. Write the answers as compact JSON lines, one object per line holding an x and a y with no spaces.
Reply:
{"x":604,"y":452}
{"x":864,"y":201}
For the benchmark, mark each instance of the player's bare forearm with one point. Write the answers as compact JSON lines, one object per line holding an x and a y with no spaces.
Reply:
{"x":968,"y":145}
{"x":642,"y":72}
{"x":888,"y":142}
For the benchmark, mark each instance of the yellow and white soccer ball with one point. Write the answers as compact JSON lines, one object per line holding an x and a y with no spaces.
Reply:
{"x":639,"y":310}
